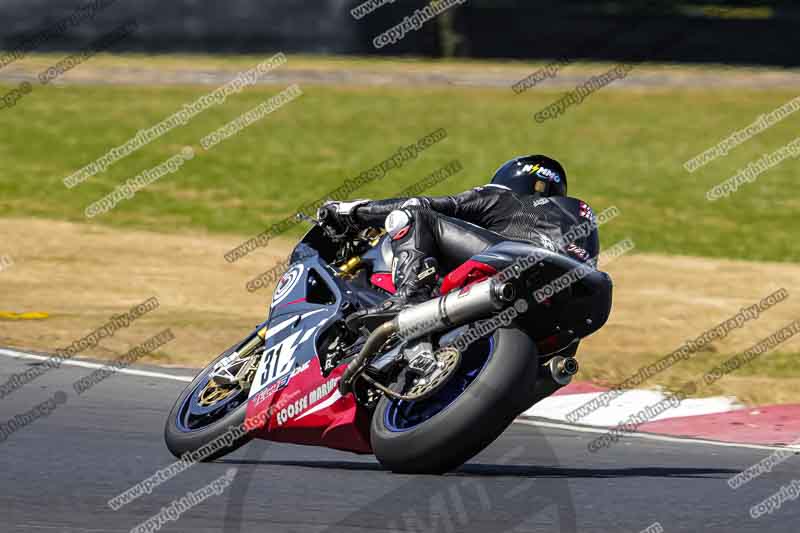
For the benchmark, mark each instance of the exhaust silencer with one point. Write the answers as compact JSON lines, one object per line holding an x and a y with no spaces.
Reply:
{"x":562,"y":369}
{"x":454,"y":309}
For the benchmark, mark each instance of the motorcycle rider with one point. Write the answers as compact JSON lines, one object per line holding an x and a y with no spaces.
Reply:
{"x":526,"y":200}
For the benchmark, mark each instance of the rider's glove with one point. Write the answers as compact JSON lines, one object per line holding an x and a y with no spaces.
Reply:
{"x":343,"y":213}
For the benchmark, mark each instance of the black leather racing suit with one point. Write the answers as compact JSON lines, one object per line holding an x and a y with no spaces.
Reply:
{"x":452,"y":229}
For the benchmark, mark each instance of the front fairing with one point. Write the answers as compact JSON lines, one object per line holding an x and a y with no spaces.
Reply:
{"x":292,"y":398}
{"x":296,"y":322}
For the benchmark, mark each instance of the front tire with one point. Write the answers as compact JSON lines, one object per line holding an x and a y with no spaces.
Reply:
{"x":181,"y":439}
{"x":470,"y":422}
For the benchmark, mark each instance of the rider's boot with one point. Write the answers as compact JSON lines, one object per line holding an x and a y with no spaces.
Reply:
{"x":415,"y":281}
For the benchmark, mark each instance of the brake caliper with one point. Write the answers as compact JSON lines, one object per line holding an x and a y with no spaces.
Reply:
{"x":433,"y":369}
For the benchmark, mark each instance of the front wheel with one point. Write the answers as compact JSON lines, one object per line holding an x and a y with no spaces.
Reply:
{"x":207,"y":413}
{"x":432,"y":436}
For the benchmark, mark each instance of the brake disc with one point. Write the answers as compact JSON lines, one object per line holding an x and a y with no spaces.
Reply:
{"x":440,"y":368}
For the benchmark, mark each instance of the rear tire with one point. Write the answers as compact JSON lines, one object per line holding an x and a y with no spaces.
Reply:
{"x":451,"y":437}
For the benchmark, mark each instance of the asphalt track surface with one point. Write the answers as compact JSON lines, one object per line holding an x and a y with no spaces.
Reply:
{"x":59,"y":472}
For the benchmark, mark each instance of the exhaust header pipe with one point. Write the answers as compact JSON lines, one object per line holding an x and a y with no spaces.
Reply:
{"x":454,"y":309}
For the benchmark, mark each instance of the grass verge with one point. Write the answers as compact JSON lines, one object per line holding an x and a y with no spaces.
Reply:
{"x":624,"y":148}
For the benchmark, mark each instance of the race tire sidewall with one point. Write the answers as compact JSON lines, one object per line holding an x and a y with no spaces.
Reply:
{"x":180,"y":442}
{"x":473,"y":421}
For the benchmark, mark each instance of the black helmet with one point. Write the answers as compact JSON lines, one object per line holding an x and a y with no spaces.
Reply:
{"x":533,"y":174}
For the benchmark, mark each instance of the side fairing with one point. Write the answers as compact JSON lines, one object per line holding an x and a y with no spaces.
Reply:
{"x":290,"y":397}
{"x":294,"y":325}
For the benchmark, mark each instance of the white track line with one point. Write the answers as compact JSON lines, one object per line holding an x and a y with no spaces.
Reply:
{"x":539,"y":423}
{"x":86,"y":364}
{"x":558,"y":408}
{"x":653,"y":436}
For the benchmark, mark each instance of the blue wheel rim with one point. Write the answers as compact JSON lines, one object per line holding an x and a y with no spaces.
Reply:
{"x":402,"y":416}
{"x":193,"y":417}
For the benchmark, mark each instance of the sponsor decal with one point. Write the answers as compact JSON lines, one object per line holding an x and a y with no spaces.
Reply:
{"x":578,"y":252}
{"x":548,"y":243}
{"x":279,"y":360}
{"x":548,"y":174}
{"x":287,"y":282}
{"x":541,"y":201}
{"x":274,"y":387}
{"x":542,"y":172}
{"x":271,"y":389}
{"x":586,"y":211}
{"x":278,"y":363}
{"x":298,"y":407}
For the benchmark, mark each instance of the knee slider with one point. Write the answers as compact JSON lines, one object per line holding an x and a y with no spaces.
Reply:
{"x":398,"y":224}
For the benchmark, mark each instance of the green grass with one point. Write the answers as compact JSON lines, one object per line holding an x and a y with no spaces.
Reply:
{"x":620,"y":147}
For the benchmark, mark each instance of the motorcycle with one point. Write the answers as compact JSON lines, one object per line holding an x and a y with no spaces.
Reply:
{"x":424,"y":392}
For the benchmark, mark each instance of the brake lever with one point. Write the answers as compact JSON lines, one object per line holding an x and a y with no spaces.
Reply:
{"x":309,"y":219}
{"x":336,"y":237}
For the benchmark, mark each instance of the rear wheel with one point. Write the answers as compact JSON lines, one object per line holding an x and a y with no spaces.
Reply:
{"x":492,"y":386}
{"x":208,"y":410}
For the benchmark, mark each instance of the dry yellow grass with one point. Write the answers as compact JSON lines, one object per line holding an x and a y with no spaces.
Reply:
{"x":82,"y":274}
{"x":662,"y":301}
